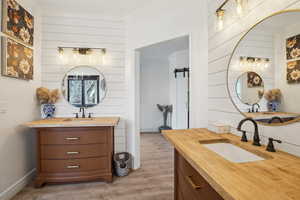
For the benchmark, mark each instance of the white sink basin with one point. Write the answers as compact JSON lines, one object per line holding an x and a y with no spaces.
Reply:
{"x":233,"y":153}
{"x":78,"y":119}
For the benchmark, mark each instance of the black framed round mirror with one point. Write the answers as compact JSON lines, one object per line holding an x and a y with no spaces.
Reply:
{"x":84,"y":86}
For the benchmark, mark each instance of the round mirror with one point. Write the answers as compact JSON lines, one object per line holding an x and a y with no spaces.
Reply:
{"x":250,"y":88}
{"x":263,"y":76}
{"x":84,"y":86}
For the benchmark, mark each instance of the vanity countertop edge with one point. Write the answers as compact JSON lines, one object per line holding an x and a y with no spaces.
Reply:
{"x":276,"y":178}
{"x":73,"y":122}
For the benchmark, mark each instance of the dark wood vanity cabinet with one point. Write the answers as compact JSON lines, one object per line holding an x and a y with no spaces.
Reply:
{"x":74,"y":154}
{"x":189,"y":184}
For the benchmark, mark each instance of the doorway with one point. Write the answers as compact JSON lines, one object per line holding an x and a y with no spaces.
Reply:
{"x":164,"y":85}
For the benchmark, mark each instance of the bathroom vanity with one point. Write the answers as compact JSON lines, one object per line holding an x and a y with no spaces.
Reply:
{"x":74,"y":149}
{"x":240,"y":171}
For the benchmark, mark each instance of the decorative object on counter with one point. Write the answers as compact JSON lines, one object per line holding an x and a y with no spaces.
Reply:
{"x":84,"y":86}
{"x":274,"y":98}
{"x":17,"y":22}
{"x":293,"y":71}
{"x":47,"y":100}
{"x":122,"y":161}
{"x":17,"y":60}
{"x":166,"y":110}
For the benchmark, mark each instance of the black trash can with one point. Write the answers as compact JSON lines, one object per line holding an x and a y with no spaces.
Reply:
{"x":122,"y":161}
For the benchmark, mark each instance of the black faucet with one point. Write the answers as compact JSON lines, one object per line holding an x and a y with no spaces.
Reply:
{"x":82,"y":109}
{"x":253,"y":107}
{"x":275,"y":118}
{"x":256,"y":140}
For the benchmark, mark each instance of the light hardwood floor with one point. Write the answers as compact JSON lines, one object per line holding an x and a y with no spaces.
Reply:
{"x":154,"y":181}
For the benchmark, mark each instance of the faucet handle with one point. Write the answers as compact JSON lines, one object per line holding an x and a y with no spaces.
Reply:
{"x":244,"y":136}
{"x":270,"y":146}
{"x":90,"y":115}
{"x":76,"y":115}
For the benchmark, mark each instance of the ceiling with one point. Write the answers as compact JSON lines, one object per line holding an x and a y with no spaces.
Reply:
{"x":110,"y":8}
{"x":166,"y":48}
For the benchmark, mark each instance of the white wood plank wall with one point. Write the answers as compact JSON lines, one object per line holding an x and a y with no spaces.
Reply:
{"x":221,"y":45}
{"x":75,"y":31}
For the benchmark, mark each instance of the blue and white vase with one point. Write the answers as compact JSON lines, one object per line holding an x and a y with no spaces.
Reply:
{"x":47,"y":111}
{"x":273,"y":106}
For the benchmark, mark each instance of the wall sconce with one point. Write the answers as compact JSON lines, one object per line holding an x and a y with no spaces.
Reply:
{"x":81,"y":56}
{"x":220,"y":12}
{"x":220,"y":15}
{"x":254,"y":63}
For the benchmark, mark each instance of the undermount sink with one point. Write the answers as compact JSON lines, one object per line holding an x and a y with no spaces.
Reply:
{"x":78,"y":119}
{"x":232,"y":152}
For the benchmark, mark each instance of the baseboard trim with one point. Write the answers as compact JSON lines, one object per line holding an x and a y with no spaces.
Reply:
{"x":17,"y":186}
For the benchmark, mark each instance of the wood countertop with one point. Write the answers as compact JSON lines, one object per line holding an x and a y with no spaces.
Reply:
{"x":74,"y":122}
{"x":275,"y":178}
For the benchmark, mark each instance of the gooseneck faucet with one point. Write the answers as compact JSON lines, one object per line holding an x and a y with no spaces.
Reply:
{"x":256,"y":140}
{"x":253,"y":107}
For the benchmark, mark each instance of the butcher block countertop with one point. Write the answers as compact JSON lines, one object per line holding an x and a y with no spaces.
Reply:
{"x":275,"y":178}
{"x":74,"y":122}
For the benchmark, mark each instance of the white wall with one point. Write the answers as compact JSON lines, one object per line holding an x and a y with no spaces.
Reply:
{"x":291,"y":94}
{"x":179,"y":89}
{"x":154,"y":89}
{"x":97,"y":32}
{"x":18,"y":105}
{"x":221,"y":45}
{"x":159,"y":21}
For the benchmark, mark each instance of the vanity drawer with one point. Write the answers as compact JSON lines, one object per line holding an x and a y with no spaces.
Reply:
{"x":73,"y":151}
{"x":75,"y":165}
{"x":193,"y":183}
{"x":75,"y":136}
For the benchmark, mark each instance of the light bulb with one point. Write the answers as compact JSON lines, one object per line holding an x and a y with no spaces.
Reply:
{"x":239,"y":7}
{"x":220,"y":15}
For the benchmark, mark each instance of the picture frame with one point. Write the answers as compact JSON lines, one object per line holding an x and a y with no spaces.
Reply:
{"x":17,"y":59}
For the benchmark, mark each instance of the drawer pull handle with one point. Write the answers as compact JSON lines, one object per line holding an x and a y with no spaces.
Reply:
{"x":72,"y":138}
{"x":73,"y":166}
{"x":195,"y":187}
{"x":73,"y":153}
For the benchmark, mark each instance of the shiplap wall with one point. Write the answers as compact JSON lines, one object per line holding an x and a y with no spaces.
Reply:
{"x":221,"y":45}
{"x":72,"y":31}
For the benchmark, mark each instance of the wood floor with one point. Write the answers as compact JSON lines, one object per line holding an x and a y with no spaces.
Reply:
{"x":154,"y":181}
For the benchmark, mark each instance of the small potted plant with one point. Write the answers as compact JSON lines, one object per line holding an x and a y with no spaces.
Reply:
{"x":47,"y":99}
{"x":274,"y":99}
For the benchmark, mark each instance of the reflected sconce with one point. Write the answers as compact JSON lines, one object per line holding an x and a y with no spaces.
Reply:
{"x":76,"y":56}
{"x":220,"y":12}
{"x":254,"y":64}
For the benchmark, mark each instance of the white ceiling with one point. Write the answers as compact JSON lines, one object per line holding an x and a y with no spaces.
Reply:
{"x":110,"y":8}
{"x":164,"y":49}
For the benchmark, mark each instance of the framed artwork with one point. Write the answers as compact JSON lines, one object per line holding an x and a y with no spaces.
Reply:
{"x":293,"y":47}
{"x":254,"y":80}
{"x":17,"y":22}
{"x":17,"y":60}
{"x":293,"y":72}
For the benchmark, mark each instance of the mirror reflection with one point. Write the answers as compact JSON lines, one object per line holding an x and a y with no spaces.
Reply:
{"x":264,"y":71}
{"x":84,"y":86}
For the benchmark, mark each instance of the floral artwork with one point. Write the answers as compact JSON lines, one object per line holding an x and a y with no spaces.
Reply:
{"x":293,"y":47}
{"x":17,"y":60}
{"x":254,"y":80}
{"x":293,"y":72}
{"x":17,"y":22}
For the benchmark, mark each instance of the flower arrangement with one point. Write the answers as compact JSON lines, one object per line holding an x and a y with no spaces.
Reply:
{"x":273,"y":95}
{"x":47,"y":99}
{"x":274,"y":98}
